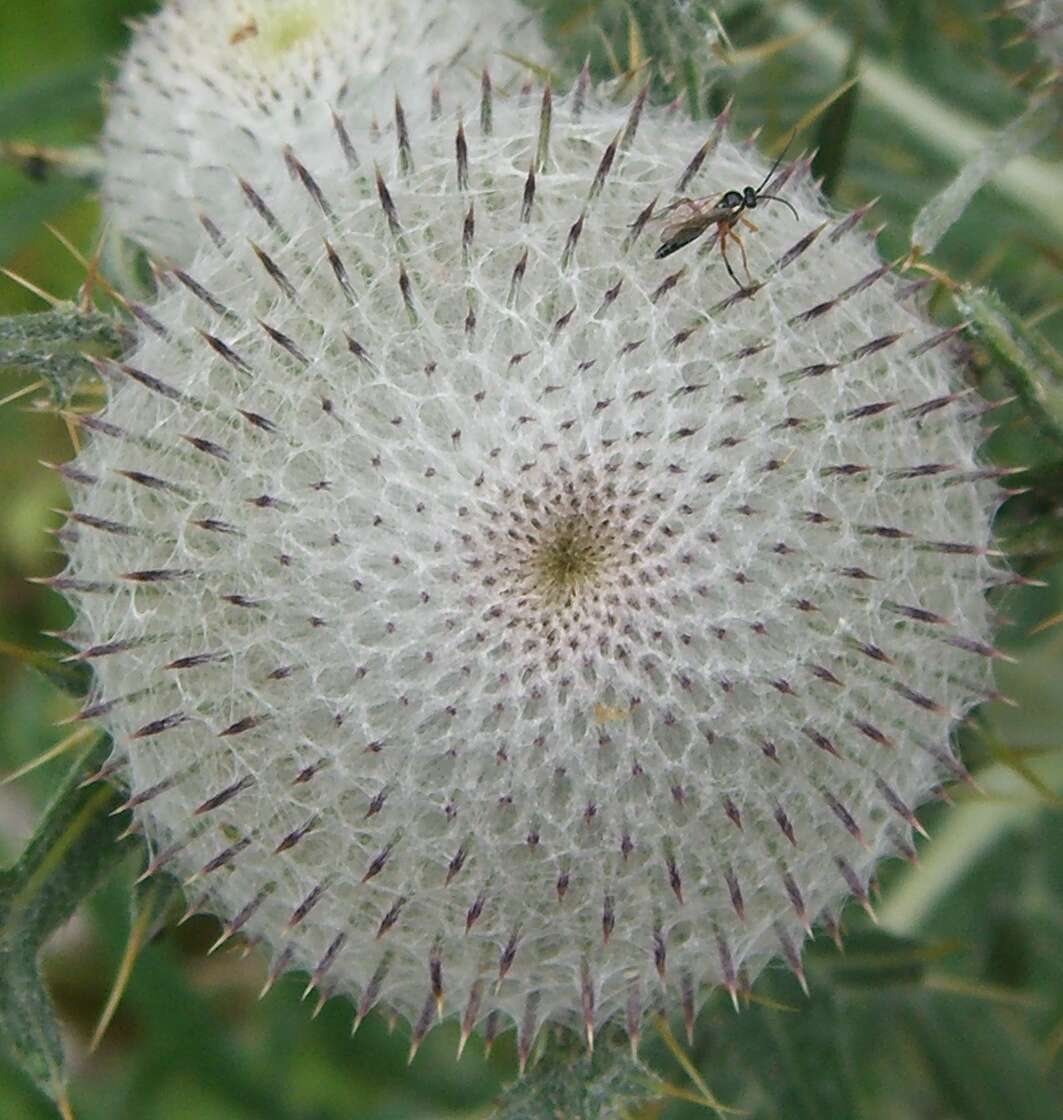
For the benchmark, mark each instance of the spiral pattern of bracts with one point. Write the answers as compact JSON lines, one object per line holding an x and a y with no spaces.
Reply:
{"x":499,"y":622}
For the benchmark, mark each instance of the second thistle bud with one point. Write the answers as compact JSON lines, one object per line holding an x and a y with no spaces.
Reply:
{"x":210,"y":92}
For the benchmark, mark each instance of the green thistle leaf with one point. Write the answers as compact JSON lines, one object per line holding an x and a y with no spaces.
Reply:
{"x":796,"y":1051}
{"x":567,"y":1082}
{"x":51,"y":345}
{"x":72,"y":850}
{"x":71,"y":677}
{"x":1032,"y":369}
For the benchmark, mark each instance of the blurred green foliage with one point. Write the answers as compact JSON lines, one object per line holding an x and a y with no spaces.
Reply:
{"x":955,"y":1007}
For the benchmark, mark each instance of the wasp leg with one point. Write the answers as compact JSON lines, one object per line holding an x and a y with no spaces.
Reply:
{"x":723,"y":252}
{"x":745,"y":263}
{"x":749,"y":225}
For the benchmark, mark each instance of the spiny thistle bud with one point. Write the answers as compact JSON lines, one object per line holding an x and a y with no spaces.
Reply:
{"x":498,"y":621}
{"x":209,"y":91}
{"x":1044,"y":24}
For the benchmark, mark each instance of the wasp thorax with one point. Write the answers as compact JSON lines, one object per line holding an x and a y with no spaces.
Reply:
{"x":499,"y":621}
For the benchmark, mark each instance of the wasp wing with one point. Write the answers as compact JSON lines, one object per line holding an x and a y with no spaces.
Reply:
{"x":689,"y":228}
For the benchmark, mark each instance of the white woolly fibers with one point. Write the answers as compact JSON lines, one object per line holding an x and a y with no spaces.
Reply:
{"x":209,"y":91}
{"x":497,"y":620}
{"x":1044,"y":21}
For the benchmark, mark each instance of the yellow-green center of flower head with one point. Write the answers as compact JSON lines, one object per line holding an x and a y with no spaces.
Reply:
{"x":569,"y":559}
{"x":271,"y":30}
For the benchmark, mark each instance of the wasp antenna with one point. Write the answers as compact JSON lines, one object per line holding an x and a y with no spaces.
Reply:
{"x":778,"y":160}
{"x":776,"y":198}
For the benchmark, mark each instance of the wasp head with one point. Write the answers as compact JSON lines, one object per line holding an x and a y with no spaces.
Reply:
{"x":734,"y":200}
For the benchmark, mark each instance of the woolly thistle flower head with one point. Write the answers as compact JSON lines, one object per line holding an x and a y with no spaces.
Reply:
{"x":498,"y":621}
{"x":208,"y":92}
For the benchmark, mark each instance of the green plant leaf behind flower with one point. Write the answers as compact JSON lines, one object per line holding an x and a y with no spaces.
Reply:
{"x":72,"y":677}
{"x":983,"y":1068}
{"x":1030,"y":366}
{"x":794,"y":1051}
{"x":74,"y":848}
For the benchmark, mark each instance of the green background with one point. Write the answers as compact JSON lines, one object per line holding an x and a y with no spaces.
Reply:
{"x":955,"y":1009}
